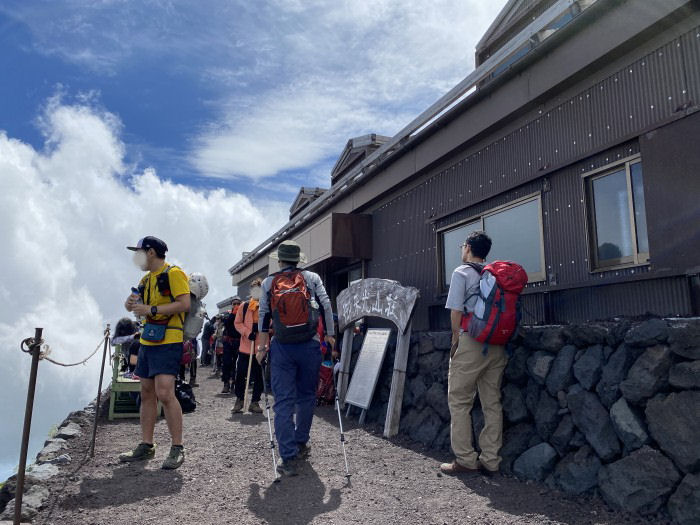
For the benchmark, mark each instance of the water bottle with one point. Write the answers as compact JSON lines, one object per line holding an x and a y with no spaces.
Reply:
{"x":135,"y":291}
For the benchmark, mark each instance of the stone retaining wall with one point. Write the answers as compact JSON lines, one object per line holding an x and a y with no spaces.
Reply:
{"x":48,"y":464}
{"x":607,"y":407}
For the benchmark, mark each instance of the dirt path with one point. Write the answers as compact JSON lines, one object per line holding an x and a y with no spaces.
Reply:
{"x":227,"y":478}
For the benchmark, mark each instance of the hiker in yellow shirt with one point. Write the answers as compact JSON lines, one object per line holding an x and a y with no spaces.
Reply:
{"x":163,"y":298}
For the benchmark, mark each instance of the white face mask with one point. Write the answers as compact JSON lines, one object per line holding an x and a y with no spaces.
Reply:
{"x":141,"y":260}
{"x":255,"y":292}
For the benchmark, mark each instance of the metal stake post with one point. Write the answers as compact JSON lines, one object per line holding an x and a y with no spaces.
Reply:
{"x":99,"y":393}
{"x":35,"y":349}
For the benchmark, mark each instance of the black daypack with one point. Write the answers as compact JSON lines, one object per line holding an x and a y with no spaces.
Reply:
{"x":185,"y":395}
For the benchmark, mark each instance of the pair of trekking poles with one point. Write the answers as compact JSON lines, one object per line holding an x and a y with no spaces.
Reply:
{"x":264,"y":366}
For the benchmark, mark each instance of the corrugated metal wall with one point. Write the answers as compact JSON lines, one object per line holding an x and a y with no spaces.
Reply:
{"x":650,"y":91}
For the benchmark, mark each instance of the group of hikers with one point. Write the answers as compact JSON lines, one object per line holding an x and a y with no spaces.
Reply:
{"x":292,"y":305}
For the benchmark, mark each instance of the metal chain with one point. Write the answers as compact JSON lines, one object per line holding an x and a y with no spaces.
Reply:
{"x":27,"y":343}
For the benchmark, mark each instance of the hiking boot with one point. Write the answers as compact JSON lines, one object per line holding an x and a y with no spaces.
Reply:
{"x":237,"y":407}
{"x":226,"y":389}
{"x":455,"y":468}
{"x":140,"y":453}
{"x":255,"y":407}
{"x":175,"y":458}
{"x":304,"y":450}
{"x":287,"y":467}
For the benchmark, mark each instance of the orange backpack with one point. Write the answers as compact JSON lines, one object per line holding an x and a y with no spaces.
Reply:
{"x":294,"y":319}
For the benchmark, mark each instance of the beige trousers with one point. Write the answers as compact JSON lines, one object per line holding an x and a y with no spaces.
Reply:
{"x":472,"y":371}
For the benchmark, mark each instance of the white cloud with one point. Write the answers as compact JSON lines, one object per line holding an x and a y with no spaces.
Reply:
{"x":68,"y":212}
{"x":349,"y":68}
{"x":290,"y":80}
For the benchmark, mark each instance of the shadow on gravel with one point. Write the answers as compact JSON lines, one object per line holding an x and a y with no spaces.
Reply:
{"x":248,"y":420}
{"x":294,"y":500}
{"x":517,"y":498}
{"x":128,"y":484}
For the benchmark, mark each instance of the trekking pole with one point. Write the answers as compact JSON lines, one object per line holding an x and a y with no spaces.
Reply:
{"x":340,"y":422}
{"x":269,"y":424}
{"x":246,"y":397}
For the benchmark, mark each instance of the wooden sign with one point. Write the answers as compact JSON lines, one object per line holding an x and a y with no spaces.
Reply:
{"x":376,"y":298}
{"x":388,"y":300}
{"x":366,"y":373}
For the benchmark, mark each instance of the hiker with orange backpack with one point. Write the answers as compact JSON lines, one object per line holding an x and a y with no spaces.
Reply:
{"x":484,"y":304}
{"x":248,"y":368}
{"x":290,"y":301}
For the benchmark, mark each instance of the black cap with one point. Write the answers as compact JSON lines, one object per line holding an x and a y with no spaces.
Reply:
{"x":150,"y":242}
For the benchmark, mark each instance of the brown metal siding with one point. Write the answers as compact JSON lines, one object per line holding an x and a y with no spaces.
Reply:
{"x":690,"y":46}
{"x":665,"y":297}
{"x":636,"y":98}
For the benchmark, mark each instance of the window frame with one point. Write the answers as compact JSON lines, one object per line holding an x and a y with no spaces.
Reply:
{"x":637,"y":258}
{"x":532,"y":277}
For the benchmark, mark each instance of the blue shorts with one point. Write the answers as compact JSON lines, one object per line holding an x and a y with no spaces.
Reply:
{"x":159,"y":359}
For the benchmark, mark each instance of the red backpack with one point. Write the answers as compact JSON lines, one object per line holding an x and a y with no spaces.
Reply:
{"x":294,"y":319}
{"x":496,"y":315}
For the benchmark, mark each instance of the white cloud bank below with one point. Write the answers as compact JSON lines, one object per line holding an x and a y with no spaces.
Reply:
{"x":67,"y":213}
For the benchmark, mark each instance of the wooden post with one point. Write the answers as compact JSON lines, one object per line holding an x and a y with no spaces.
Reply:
{"x":31,"y":388}
{"x":99,"y":394}
{"x":345,"y":355}
{"x":393,"y":411}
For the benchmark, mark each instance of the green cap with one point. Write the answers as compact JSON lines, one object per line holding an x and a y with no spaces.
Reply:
{"x":289,"y":251}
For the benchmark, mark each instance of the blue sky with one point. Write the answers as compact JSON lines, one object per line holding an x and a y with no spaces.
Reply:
{"x":240,"y":95}
{"x":195,"y":121}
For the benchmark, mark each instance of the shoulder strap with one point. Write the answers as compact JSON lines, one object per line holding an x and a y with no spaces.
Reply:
{"x":245,"y":309}
{"x":181,"y":315}
{"x":476,"y":266}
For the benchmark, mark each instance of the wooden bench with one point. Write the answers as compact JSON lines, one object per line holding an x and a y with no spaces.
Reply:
{"x":122,"y":404}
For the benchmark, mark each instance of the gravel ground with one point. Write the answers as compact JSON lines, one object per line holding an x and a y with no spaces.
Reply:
{"x":227,"y":477}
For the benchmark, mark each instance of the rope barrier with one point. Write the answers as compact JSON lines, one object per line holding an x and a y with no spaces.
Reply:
{"x":26,"y":344}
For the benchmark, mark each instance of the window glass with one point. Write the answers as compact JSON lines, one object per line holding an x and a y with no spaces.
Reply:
{"x":517,"y":236}
{"x":354,"y":275}
{"x":612,"y":217}
{"x":451,"y":242}
{"x":640,"y":215}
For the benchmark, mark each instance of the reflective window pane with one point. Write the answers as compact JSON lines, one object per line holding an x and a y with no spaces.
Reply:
{"x":612,"y":217}
{"x":640,"y":215}
{"x":451,"y":241}
{"x":516,"y":236}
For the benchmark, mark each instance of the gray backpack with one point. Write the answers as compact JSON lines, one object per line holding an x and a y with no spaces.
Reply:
{"x":194,"y":319}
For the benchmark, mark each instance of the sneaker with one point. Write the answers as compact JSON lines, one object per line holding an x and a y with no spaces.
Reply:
{"x":237,"y":406}
{"x":175,"y":458}
{"x":255,"y":407}
{"x":455,"y":468}
{"x":226,"y":389}
{"x":140,"y":453}
{"x":304,"y":450}
{"x":287,"y":467}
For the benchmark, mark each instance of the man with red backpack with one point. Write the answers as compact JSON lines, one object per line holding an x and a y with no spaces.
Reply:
{"x":484,"y":310}
{"x":290,"y":300}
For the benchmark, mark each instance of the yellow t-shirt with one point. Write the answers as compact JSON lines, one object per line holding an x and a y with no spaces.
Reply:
{"x":179,"y":285}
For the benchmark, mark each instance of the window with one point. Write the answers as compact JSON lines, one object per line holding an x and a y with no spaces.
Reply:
{"x":617,"y":217}
{"x":516,"y":231}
